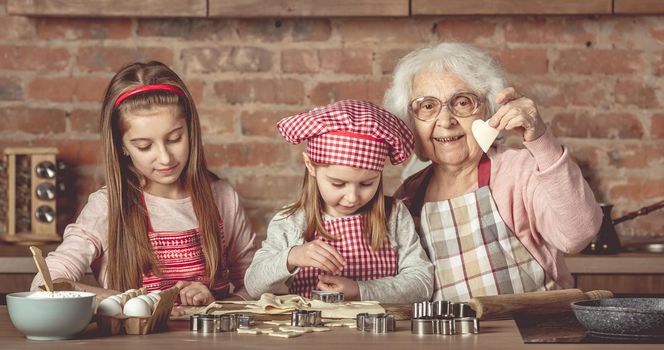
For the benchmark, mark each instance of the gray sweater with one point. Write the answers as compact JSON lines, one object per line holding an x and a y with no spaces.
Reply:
{"x":268,"y":272}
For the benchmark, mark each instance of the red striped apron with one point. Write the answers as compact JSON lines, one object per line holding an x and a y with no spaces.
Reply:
{"x":180,"y":257}
{"x":362,"y":263}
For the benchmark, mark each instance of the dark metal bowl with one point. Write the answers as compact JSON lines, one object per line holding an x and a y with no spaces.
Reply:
{"x":623,"y":317}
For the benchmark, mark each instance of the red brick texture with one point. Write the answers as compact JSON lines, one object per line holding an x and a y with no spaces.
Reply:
{"x":597,"y":81}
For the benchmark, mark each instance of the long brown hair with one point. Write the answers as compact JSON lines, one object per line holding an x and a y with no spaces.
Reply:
{"x":129,"y":249}
{"x":311,"y":201}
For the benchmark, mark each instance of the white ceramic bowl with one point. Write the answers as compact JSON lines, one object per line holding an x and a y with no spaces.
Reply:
{"x":45,"y":316}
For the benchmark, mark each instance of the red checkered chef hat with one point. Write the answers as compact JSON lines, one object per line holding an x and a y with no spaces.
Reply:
{"x":353,"y":133}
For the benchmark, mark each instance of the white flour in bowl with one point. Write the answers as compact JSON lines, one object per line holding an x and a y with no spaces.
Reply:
{"x":57,"y":295}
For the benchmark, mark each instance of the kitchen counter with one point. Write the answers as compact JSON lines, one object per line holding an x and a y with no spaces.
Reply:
{"x":494,"y":335}
{"x":17,"y":258}
{"x":17,"y":269}
{"x":625,"y":274}
{"x":626,"y":262}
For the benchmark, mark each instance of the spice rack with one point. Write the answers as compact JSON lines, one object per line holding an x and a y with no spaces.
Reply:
{"x":29,"y":185}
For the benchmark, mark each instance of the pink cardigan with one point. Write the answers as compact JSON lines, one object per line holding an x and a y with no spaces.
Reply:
{"x":542,"y":197}
{"x":85,"y":242}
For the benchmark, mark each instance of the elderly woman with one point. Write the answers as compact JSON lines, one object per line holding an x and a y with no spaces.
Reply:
{"x":494,"y":223}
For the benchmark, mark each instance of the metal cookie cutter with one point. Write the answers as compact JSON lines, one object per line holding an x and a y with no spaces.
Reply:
{"x":227,"y":323}
{"x":435,"y":309}
{"x":442,"y":309}
{"x":446,"y":326}
{"x":193,"y":322}
{"x":467,"y":325}
{"x":328,"y":297}
{"x":462,"y":310}
{"x":422,"y":310}
{"x":306,"y":318}
{"x":244,"y":321}
{"x":421,"y":326}
{"x":443,"y":317}
{"x":375,"y":323}
{"x":204,"y":323}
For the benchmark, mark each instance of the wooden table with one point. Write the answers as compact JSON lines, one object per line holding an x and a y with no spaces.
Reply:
{"x":494,"y":335}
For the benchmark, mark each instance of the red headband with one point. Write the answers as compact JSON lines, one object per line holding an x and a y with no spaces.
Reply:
{"x":145,"y":88}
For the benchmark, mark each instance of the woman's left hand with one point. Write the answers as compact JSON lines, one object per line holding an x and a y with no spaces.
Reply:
{"x":194,"y":293}
{"x":349,"y":287}
{"x":517,"y":113}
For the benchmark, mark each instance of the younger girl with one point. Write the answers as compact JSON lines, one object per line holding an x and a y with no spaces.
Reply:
{"x":162,"y":217}
{"x":342,"y":234}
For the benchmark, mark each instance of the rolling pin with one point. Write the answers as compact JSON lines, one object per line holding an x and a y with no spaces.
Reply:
{"x":504,"y":306}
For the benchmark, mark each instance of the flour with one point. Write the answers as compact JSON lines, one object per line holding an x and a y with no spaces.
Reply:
{"x":58,"y":295}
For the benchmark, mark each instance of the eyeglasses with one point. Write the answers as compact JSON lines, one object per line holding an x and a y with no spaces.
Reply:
{"x":461,"y":105}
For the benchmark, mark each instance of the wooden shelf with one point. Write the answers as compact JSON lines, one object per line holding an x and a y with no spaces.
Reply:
{"x":308,"y":8}
{"x":510,"y":7}
{"x":108,"y":8}
{"x":326,"y":8}
{"x":638,"y":6}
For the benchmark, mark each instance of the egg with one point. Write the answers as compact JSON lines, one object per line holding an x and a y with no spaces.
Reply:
{"x":155,"y":297}
{"x":117,"y":297}
{"x":146,"y":299}
{"x":109,"y":307}
{"x":136,"y":307}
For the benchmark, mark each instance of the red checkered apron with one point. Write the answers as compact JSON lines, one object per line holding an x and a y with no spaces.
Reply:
{"x":474,"y":252}
{"x":180,"y":257}
{"x":362,"y":263}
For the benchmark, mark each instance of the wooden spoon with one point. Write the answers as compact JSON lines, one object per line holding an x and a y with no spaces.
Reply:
{"x":41,"y":266}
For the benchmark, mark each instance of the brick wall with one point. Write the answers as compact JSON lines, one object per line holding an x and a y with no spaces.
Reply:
{"x":597,"y":80}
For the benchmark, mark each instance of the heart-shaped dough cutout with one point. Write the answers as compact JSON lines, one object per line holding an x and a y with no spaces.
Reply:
{"x":484,"y":134}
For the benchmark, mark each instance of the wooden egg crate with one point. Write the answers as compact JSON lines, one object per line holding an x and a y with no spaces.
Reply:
{"x":112,"y":325}
{"x":158,"y":321}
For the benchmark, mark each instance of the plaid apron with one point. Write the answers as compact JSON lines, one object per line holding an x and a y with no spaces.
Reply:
{"x":474,"y":252}
{"x":362,"y":263}
{"x":180,"y":257}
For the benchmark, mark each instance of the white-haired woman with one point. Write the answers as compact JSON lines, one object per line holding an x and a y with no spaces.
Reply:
{"x":494,"y":223}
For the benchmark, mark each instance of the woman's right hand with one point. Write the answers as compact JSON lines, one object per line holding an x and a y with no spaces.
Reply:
{"x":316,"y":254}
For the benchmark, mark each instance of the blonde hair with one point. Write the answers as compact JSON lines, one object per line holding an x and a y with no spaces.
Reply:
{"x":311,"y":201}
{"x":129,"y":248}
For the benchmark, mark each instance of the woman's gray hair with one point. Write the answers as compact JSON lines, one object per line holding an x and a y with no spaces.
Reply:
{"x":475,"y":66}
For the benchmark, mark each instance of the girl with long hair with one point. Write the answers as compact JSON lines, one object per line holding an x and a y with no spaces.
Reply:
{"x":342,"y":234}
{"x":163,"y":218}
